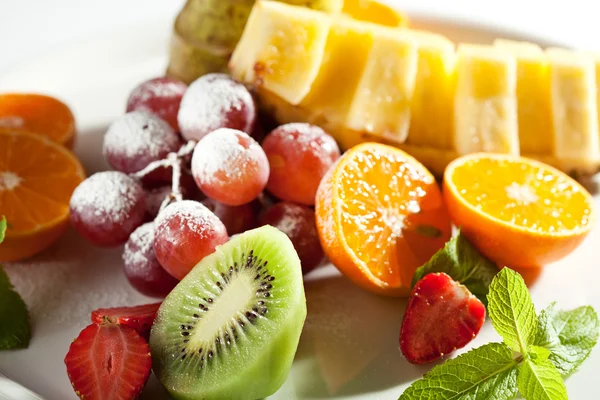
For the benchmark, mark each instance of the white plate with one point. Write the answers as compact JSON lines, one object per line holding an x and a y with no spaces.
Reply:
{"x":350,"y":346}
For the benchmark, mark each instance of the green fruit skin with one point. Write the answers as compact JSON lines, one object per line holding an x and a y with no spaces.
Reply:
{"x":256,"y":381}
{"x":207,"y":31}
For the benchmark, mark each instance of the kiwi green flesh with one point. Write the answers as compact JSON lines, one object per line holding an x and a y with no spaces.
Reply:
{"x":230,"y":328}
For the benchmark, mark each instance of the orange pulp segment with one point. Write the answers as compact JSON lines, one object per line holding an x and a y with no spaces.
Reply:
{"x":37,"y":178}
{"x":518,"y":212}
{"x":39,"y":114}
{"x":380,"y":215}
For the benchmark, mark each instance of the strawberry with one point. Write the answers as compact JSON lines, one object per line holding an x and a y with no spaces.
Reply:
{"x":139,"y":318}
{"x":441,"y":316}
{"x":108,"y":362}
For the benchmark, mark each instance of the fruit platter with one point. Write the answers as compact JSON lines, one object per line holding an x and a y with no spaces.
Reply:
{"x":328,"y":199}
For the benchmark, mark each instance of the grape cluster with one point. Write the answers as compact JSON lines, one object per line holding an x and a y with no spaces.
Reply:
{"x":189,"y":172}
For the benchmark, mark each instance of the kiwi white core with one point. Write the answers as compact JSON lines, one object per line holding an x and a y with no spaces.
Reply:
{"x":229,"y":305}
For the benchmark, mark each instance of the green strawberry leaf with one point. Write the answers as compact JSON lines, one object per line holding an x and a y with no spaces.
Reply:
{"x":538,"y":379}
{"x":569,"y":335}
{"x":2,"y":228}
{"x":463,"y":263}
{"x":15,"y":330}
{"x":511,"y":310}
{"x":488,"y":372}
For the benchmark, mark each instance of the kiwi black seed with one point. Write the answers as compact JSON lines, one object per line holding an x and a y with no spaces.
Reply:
{"x":231,"y":327}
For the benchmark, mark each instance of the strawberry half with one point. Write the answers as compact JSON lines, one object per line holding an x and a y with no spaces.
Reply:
{"x":108,"y":362}
{"x":139,"y":318}
{"x":441,"y":316}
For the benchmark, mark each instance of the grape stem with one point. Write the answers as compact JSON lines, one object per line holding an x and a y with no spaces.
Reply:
{"x":176,"y":161}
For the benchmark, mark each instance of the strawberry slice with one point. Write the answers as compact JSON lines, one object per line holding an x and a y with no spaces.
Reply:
{"x":139,"y":318}
{"x":441,"y":316}
{"x":108,"y":362}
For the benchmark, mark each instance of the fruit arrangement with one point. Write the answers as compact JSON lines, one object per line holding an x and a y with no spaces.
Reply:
{"x":434,"y":102}
{"x":222,"y":214}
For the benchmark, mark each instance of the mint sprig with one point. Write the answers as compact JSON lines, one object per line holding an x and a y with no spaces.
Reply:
{"x":535,"y":354}
{"x":463,"y":263}
{"x":15,"y":331}
{"x":569,"y":335}
{"x":511,"y":310}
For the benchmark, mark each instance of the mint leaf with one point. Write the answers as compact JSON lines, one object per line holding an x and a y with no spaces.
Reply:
{"x":488,"y":372}
{"x":511,"y":310}
{"x":15,"y":331}
{"x":538,"y":379}
{"x":569,"y":335}
{"x":2,"y":228}
{"x":463,"y":263}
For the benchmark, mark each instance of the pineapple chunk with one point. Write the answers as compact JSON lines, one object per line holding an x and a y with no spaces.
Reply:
{"x":433,"y":98}
{"x":533,"y":97}
{"x":381,"y":104}
{"x":345,"y":58}
{"x":374,"y":11}
{"x":281,"y":49}
{"x":485,"y":109}
{"x":596,"y":57}
{"x":574,"y":108}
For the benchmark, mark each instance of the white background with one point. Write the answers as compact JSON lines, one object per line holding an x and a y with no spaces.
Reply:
{"x":29,"y":28}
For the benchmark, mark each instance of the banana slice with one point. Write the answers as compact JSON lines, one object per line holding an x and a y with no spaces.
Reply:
{"x":433,"y":97}
{"x":346,"y":54}
{"x":281,"y":49}
{"x":485,"y":109}
{"x":574,"y":108}
{"x":533,"y":97}
{"x":381,"y":104}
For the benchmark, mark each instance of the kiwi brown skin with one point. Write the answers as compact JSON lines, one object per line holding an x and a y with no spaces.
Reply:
{"x":231,"y":327}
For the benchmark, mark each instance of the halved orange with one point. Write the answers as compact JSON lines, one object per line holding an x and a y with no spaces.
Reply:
{"x":37,"y":178}
{"x":39,"y":114}
{"x":380,"y":215}
{"x":518,"y":212}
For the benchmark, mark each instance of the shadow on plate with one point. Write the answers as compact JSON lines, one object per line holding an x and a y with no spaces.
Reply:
{"x":350,"y":342}
{"x":88,"y":148}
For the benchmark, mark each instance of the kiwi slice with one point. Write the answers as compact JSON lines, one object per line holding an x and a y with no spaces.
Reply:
{"x":230,"y":328}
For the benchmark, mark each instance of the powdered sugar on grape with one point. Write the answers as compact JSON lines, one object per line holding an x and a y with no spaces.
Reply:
{"x":220,"y":156}
{"x":193,"y":215}
{"x":308,"y":138}
{"x":140,"y":134}
{"x":208,"y":102}
{"x":143,"y":239}
{"x":109,"y":195}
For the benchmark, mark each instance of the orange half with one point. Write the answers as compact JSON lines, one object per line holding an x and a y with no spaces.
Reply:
{"x":37,"y":178}
{"x":39,"y":114}
{"x":518,"y":212}
{"x":380,"y":215}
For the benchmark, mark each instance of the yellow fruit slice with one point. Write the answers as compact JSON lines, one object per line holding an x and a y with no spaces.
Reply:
{"x":533,"y":97}
{"x":381,"y":104}
{"x":374,"y":11}
{"x":574,"y":108}
{"x":485,"y":109}
{"x":433,"y":97}
{"x":281,"y":49}
{"x":346,"y":54}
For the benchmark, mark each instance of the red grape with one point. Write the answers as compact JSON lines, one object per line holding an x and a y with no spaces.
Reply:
{"x":237,"y":219}
{"x":215,"y":101}
{"x":136,"y":139}
{"x":159,"y":96}
{"x":107,"y":207}
{"x":155,"y":198}
{"x":230,"y":167}
{"x":299,"y":155}
{"x":298,"y":222}
{"x":186,"y":232}
{"x":142,"y":269}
